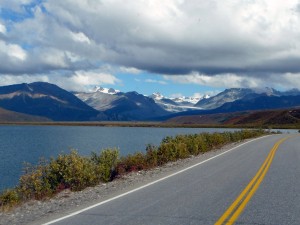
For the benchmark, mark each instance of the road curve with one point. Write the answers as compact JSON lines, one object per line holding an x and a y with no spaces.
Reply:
{"x":205,"y":193}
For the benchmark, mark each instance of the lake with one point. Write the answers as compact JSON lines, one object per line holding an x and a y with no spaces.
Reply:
{"x":19,"y":144}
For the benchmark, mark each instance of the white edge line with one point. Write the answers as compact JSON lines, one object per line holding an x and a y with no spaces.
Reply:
{"x":147,"y":185}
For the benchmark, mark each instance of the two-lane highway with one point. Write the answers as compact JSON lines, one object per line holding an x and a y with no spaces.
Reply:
{"x":259,"y":181}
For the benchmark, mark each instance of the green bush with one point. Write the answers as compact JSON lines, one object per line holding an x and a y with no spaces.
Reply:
{"x":181,"y":151}
{"x":151,"y":156}
{"x":34,"y":182}
{"x":106,"y":163}
{"x":132,"y":162}
{"x":72,"y":171}
{"x":9,"y":198}
{"x":166,"y":153}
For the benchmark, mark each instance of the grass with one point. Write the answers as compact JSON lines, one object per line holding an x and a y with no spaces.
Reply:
{"x":167,"y":124}
{"x":75,"y":172}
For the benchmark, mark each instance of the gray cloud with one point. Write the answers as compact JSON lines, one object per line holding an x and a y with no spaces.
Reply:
{"x":249,"y":38}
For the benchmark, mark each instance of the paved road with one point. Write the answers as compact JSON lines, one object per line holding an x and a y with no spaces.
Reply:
{"x":202,"y":194}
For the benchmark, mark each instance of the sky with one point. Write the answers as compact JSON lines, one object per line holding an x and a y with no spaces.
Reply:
{"x":175,"y":47}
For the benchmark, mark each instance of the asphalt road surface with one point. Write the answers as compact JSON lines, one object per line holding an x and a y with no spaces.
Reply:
{"x":256,"y":183}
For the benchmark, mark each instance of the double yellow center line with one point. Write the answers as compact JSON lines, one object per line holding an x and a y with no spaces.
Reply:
{"x":237,"y":207}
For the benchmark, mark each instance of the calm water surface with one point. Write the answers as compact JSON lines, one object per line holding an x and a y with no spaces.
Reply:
{"x":19,"y":144}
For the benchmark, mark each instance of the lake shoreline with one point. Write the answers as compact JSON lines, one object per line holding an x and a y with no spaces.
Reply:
{"x":19,"y":144}
{"x":145,"y":124}
{"x":38,"y":212}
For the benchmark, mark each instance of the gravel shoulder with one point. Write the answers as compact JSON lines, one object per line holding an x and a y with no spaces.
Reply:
{"x":38,"y":212}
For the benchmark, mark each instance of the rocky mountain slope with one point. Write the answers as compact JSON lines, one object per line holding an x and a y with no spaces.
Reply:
{"x":245,"y":94}
{"x":123,"y":106}
{"x":46,"y":100}
{"x":175,"y":104}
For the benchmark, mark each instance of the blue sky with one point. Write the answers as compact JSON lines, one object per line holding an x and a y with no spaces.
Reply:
{"x":147,"y":83}
{"x":176,"y":47}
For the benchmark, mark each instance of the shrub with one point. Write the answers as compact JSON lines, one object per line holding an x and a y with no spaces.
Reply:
{"x":181,"y":151}
{"x":192,"y":145}
{"x":166,"y":153}
{"x":106,"y":163}
{"x":8,"y":199}
{"x":132,"y":162}
{"x":34,"y":183}
{"x":72,"y":171}
{"x":151,"y":156}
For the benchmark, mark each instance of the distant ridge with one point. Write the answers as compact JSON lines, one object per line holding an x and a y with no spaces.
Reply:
{"x":262,"y":118}
{"x":121,"y":106}
{"x":256,"y":102}
{"x":45,"y":100}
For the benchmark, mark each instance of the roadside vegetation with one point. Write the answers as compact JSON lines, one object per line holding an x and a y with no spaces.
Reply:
{"x":75,"y":172}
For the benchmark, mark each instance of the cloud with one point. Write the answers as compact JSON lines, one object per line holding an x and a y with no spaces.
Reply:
{"x":13,"y":79}
{"x":93,"y":77}
{"x":77,"y":81}
{"x":196,"y":95}
{"x":281,"y":81}
{"x":219,"y":80}
{"x":15,"y":5}
{"x":176,"y":95}
{"x":237,"y":40}
{"x":80,"y":37}
{"x":11,"y":56}
{"x":155,"y":81}
{"x":130,"y":70}
{"x":12,"y":52}
{"x":2,"y":29}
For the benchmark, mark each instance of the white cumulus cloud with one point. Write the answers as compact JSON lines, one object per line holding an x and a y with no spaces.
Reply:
{"x":207,"y":42}
{"x":77,"y":81}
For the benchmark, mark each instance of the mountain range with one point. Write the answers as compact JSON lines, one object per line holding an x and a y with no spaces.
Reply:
{"x":43,"y":101}
{"x":46,"y":100}
{"x":174,"y":105}
{"x":122,"y":106}
{"x":240,"y":102}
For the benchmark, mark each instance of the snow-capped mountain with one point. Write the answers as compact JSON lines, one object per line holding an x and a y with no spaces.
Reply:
{"x":267,"y":91}
{"x":48,"y":101}
{"x":134,"y":106}
{"x":110,"y":91}
{"x":157,"y":96}
{"x":98,"y":100}
{"x":234,"y":94}
{"x":179,"y":104}
{"x":229,"y":95}
{"x":192,"y":100}
{"x":122,"y":106}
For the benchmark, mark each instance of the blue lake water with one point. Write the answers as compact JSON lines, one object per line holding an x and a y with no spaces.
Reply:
{"x":19,"y":144}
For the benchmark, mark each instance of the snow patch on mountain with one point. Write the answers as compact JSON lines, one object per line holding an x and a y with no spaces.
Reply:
{"x":178,"y":104}
{"x":157,"y":96}
{"x":110,"y":91}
